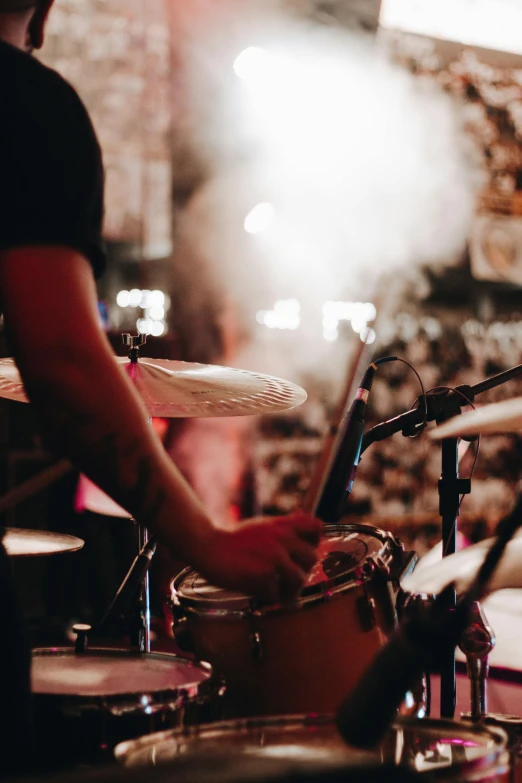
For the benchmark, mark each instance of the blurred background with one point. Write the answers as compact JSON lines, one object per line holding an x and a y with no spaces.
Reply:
{"x":295,"y":187}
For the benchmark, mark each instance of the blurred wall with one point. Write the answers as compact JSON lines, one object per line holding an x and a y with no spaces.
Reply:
{"x":117,"y":54}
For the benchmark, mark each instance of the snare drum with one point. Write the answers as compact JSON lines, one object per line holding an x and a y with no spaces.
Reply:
{"x":85,"y":703}
{"x":306,"y":655}
{"x":448,"y":750}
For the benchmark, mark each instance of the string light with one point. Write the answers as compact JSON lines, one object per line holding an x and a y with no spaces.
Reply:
{"x":286,"y":314}
{"x":359,"y":314}
{"x":153,"y":303}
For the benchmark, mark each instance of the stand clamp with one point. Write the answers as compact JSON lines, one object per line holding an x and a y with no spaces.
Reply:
{"x":476,"y":643}
{"x":134,"y":342}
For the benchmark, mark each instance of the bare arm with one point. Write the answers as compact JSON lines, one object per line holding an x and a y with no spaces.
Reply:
{"x":87,"y":406}
{"x":90,"y":413}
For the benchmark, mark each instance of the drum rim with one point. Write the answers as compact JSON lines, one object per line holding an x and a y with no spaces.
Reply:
{"x":320,"y":591}
{"x":124,"y":751}
{"x":144,"y":702}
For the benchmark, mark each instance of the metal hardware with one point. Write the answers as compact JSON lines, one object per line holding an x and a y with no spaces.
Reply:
{"x":134,"y":342}
{"x":81,"y":630}
{"x":476,"y":643}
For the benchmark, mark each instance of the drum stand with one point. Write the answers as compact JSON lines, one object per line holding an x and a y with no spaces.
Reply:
{"x":440,"y":406}
{"x":451,"y":489}
{"x":135,"y":588}
{"x":139,"y":621}
{"x":140,"y":616}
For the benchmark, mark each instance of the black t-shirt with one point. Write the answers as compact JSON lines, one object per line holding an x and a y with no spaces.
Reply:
{"x":51,"y":174}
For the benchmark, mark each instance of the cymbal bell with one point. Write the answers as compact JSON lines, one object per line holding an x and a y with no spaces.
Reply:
{"x":495,"y":419}
{"x":20,"y":542}
{"x":463,"y":566}
{"x":175,"y":389}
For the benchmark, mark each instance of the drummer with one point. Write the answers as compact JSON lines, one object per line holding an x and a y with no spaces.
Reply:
{"x":51,"y":250}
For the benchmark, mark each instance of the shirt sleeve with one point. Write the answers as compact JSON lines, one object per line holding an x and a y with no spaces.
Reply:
{"x":51,"y":172}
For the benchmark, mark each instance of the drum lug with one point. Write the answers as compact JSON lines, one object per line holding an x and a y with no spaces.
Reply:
{"x":256,"y":645}
{"x":366,"y":610}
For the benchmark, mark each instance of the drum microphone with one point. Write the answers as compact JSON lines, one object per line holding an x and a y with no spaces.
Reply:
{"x":418,"y":645}
{"x":414,"y":648}
{"x":330,"y":506}
{"x":128,"y":589}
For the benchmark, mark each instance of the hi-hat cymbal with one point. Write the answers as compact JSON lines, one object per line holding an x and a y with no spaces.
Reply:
{"x":463,"y":566}
{"x":174,"y":389}
{"x":20,"y":542}
{"x":494,"y":419}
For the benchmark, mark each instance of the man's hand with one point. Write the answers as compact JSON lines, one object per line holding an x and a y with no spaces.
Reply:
{"x":266,"y":558}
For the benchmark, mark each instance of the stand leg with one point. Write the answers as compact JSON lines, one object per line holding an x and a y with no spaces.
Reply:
{"x":144,"y":642}
{"x":450,"y":490}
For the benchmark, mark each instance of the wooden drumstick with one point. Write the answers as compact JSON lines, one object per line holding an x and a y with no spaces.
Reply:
{"x":332,"y":442}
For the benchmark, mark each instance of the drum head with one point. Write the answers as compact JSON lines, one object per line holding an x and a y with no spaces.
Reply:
{"x":343,"y":551}
{"x":105,"y":673}
{"x":423,"y":746}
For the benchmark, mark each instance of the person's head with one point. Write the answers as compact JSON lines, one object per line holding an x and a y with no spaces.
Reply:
{"x":22,"y":22}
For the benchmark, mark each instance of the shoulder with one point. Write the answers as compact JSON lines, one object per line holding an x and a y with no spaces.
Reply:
{"x":32,"y":92}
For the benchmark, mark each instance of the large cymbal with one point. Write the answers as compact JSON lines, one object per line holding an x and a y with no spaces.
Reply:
{"x":493,"y":419}
{"x":19,"y":542}
{"x":175,"y":389}
{"x":463,"y":566}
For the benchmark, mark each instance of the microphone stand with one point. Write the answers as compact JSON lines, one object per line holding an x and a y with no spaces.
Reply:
{"x":425,"y":631}
{"x":442,"y":405}
{"x":130,"y":599}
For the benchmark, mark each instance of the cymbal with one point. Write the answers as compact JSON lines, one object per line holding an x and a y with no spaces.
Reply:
{"x":463,"y":566}
{"x":20,"y":542}
{"x":175,"y":389}
{"x":494,"y":419}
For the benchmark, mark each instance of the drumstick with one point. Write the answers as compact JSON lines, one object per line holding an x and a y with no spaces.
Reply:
{"x":331,"y":444}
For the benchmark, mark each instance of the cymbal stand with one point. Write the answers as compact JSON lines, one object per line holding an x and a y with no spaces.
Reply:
{"x":140,"y":622}
{"x":476,"y":643}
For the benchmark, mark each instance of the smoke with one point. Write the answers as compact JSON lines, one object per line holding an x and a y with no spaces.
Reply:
{"x":332,"y":174}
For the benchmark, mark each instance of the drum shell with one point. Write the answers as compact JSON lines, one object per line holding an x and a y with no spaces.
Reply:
{"x":304,"y":658}
{"x":313,"y":739}
{"x":78,"y":729}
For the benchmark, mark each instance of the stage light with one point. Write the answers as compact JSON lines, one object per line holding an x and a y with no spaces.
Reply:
{"x":368,"y":335}
{"x":123,"y":299}
{"x":145,"y":301}
{"x":144,"y":325}
{"x":135,"y":297}
{"x":157,"y":299}
{"x":359,"y":315}
{"x":157,"y":328}
{"x":487,"y":23}
{"x":259,"y":218}
{"x":156,"y":312}
{"x":250,"y":63}
{"x":330,"y":335}
{"x":286,"y":314}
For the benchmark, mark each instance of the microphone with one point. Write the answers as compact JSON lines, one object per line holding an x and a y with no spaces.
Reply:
{"x":128,"y":589}
{"x":339,"y":484}
{"x":415,"y":647}
{"x":420,"y":643}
